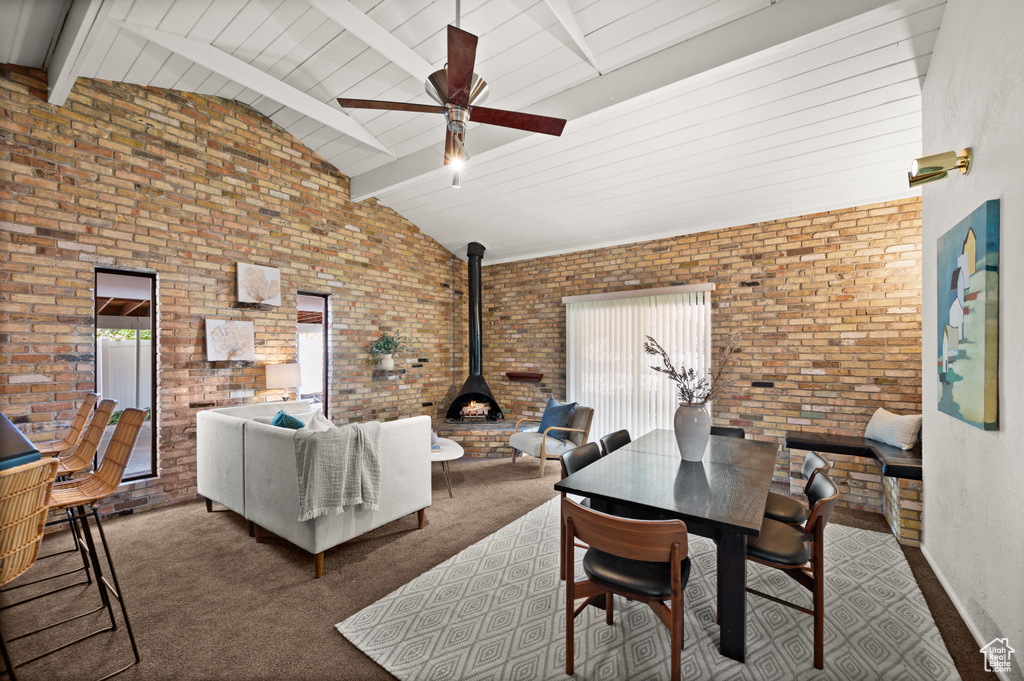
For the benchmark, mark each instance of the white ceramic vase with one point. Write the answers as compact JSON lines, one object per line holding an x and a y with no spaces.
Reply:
{"x":693,"y":430}
{"x":387,"y":362}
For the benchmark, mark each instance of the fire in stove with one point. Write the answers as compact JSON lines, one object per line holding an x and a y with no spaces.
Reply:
{"x":475,"y":410}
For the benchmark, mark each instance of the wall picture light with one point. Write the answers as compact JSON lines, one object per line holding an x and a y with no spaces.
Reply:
{"x":935,"y":167}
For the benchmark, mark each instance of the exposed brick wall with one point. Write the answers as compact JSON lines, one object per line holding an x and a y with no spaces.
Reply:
{"x":186,"y":186}
{"x":827,"y":307}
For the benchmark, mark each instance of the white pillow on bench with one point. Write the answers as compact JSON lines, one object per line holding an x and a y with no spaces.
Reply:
{"x":893,"y":429}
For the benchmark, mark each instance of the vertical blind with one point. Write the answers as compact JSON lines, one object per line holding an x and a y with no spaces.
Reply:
{"x":606,"y":367}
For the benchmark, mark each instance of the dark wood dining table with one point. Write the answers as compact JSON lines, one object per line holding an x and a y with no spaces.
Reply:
{"x":722,"y":497}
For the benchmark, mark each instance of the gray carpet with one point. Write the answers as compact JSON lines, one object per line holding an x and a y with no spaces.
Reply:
{"x":496,"y":611}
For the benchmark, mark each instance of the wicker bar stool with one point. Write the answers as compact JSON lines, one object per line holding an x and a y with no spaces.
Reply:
{"x":70,"y":439}
{"x":79,"y":497}
{"x":24,"y":499}
{"x":81,"y":457}
{"x":72,"y":462}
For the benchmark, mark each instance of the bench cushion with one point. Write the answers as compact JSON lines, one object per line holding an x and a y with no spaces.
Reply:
{"x":893,"y":461}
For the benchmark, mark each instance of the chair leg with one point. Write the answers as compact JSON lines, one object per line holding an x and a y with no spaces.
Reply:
{"x":570,"y":611}
{"x":677,"y":637}
{"x":608,"y":604}
{"x":81,"y":546}
{"x":561,"y":551}
{"x":117,"y":590}
{"x":540,"y":473}
{"x":94,"y":557}
{"x":7,"y":658}
{"x":819,"y":612}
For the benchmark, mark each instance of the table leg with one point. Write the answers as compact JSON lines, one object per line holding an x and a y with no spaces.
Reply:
{"x":447,"y":478}
{"x":732,"y":570}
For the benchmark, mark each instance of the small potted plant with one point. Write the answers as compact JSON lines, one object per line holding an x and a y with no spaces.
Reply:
{"x":692,"y":422}
{"x":387,"y":345}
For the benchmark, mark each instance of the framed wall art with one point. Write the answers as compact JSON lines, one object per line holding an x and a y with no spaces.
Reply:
{"x":968,"y":318}
{"x":258,"y":284}
{"x":230,"y":340}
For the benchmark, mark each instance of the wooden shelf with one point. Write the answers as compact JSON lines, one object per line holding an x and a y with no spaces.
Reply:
{"x":524,"y":376}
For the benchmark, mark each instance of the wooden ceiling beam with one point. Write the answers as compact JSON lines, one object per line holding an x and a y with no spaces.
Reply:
{"x":77,"y":37}
{"x":248,"y":76}
{"x":100,"y":306}
{"x":376,"y":37}
{"x":127,"y":309}
{"x":565,"y":16}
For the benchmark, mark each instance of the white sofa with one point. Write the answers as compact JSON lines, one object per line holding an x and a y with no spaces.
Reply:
{"x":250,"y":468}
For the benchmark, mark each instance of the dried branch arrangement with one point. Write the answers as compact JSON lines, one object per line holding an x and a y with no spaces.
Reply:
{"x":693,"y":388}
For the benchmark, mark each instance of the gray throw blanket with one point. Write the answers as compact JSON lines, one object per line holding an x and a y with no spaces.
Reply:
{"x":337,"y":468}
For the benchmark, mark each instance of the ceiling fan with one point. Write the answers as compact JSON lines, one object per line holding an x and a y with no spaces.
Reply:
{"x":458,"y":92}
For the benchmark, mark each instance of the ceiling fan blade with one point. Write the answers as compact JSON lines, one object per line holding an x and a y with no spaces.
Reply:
{"x":461,"y":59}
{"x":389,"y":106}
{"x":519,"y":121}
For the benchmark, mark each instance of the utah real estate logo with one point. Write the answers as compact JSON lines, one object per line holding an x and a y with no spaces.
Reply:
{"x":997,"y":654}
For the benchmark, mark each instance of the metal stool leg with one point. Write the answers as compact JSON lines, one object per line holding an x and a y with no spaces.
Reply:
{"x":116,"y":588}
{"x":94,"y":557}
{"x":7,"y":658}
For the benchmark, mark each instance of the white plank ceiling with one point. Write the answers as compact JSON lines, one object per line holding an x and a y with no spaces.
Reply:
{"x":700,"y":114}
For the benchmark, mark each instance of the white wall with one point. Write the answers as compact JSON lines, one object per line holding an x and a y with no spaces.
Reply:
{"x":974,"y":480}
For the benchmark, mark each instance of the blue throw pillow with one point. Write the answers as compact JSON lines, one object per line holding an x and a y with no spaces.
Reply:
{"x":285,"y":420}
{"x":558,"y":415}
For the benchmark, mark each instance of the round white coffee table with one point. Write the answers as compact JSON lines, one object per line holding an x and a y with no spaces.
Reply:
{"x":449,"y":451}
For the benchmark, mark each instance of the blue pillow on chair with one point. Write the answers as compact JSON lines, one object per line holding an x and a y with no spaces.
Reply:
{"x":285,"y":420}
{"x":558,"y":415}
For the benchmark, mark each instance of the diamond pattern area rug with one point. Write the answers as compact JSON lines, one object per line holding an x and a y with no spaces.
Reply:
{"x":497,"y":611}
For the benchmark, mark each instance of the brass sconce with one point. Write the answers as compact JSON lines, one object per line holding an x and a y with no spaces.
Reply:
{"x":935,"y":167}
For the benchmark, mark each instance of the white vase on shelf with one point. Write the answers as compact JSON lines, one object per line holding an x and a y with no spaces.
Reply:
{"x":387,"y":362}
{"x":693,"y":430}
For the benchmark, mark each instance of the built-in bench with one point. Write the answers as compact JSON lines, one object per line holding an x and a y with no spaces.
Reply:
{"x":895,"y":490}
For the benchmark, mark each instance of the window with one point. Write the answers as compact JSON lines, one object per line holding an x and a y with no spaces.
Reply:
{"x":606,"y":367}
{"x":125,"y":356}
{"x":312,"y":343}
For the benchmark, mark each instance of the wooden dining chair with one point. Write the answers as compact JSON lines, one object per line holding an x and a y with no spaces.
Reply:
{"x":787,"y":509}
{"x":79,"y":498}
{"x":573,"y":461}
{"x":800,"y":553}
{"x":81,"y":457}
{"x":613,"y":441}
{"x":70,"y":438}
{"x":24,"y":499}
{"x":728,"y":431}
{"x":640,"y":560}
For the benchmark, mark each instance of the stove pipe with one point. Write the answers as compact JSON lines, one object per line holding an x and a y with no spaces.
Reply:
{"x":475,"y":389}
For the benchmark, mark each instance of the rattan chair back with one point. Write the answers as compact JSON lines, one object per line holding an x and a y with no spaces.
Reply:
{"x":24,"y":496}
{"x":81,"y":457}
{"x":70,"y":439}
{"x":106,"y":479}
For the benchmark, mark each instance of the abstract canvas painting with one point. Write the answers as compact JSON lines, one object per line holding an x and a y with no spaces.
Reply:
{"x":258,"y":284}
{"x":968,"y":318}
{"x":229,"y":340}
